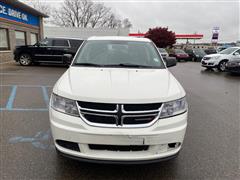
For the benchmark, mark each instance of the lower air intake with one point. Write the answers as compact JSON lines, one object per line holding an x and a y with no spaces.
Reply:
{"x":118,"y":147}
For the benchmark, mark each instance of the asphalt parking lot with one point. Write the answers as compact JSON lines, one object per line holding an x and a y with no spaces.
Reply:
{"x":210,"y":150}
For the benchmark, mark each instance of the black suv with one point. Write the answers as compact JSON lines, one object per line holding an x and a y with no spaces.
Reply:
{"x":195,"y":54}
{"x":49,"y":50}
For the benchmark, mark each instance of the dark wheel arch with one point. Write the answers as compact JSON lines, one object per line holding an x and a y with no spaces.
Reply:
{"x":220,"y":68}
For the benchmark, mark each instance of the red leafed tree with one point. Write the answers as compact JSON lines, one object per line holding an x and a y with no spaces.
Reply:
{"x":161,"y":36}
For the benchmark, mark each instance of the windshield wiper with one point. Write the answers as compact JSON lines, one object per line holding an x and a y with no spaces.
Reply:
{"x":113,"y":65}
{"x":89,"y":64}
{"x":129,"y":65}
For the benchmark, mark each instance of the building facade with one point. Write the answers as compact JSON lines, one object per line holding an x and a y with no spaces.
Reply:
{"x":19,"y":25}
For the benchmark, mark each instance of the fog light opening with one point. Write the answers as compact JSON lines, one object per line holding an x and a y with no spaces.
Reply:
{"x":68,"y":145}
{"x":174,"y":145}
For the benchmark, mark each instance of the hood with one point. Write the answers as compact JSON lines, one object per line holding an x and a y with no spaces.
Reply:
{"x":118,"y":85}
{"x":214,"y":55}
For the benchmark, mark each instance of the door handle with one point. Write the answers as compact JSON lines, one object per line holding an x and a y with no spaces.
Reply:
{"x":49,"y":48}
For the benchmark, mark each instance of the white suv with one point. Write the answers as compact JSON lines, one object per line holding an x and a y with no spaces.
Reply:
{"x":118,"y":103}
{"x":220,"y":59}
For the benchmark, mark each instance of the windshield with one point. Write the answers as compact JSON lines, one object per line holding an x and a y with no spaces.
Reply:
{"x":179,"y":51}
{"x":161,"y":50}
{"x":199,"y":52}
{"x":108,"y":53}
{"x":228,"y":51}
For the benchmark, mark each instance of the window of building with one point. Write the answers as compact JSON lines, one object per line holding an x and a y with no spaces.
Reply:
{"x":4,"y":40}
{"x":20,"y":38}
{"x":34,"y":38}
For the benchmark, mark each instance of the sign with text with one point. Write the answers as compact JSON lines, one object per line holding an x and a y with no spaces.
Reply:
{"x":215,"y":34}
{"x":13,"y":14}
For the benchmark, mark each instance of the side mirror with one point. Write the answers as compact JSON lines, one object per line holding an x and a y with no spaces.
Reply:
{"x":236,"y":54}
{"x":67,"y":59}
{"x":171,"y":61}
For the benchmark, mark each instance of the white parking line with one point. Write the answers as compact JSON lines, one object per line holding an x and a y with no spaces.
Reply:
{"x":12,"y":97}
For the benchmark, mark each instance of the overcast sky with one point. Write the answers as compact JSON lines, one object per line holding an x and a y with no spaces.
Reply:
{"x":181,"y":16}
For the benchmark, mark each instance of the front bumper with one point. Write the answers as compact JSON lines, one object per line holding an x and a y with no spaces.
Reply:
{"x":118,"y":162}
{"x":209,"y":63}
{"x":157,"y":137}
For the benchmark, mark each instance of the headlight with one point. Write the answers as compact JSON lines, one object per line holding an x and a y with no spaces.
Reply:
{"x":64,"y":105}
{"x":173,"y":108}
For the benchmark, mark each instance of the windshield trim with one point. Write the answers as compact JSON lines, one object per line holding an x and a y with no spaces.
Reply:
{"x":74,"y":64}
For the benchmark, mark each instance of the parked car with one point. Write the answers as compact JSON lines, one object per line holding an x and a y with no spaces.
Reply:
{"x":233,"y":66}
{"x":118,"y":103}
{"x":49,"y":50}
{"x":163,"y":53}
{"x":210,"y":51}
{"x":179,"y":54}
{"x":219,"y":60}
{"x":195,"y":54}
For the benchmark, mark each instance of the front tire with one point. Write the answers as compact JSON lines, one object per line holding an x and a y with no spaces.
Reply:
{"x":222,"y":66}
{"x":25,"y":60}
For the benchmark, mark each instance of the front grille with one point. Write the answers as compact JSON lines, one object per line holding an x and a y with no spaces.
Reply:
{"x":99,"y":118}
{"x":141,"y":107}
{"x":118,"y":147}
{"x":139,"y":119}
{"x":123,"y":115}
{"x":97,"y":106}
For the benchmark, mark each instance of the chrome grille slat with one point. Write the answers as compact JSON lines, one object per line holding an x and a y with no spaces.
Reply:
{"x":96,"y":110}
{"x":123,"y":118}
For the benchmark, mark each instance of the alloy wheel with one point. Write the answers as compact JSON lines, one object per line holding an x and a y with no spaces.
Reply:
{"x":222,"y":66}
{"x":25,"y":60}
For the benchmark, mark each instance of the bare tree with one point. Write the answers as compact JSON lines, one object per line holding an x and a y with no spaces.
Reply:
{"x":100,"y":15}
{"x":80,"y":13}
{"x":86,"y":13}
{"x":41,"y":6}
{"x":112,"y":22}
{"x":126,"y":23}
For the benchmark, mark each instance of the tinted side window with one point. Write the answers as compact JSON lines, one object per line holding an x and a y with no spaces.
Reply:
{"x":76,"y":43}
{"x":60,"y":42}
